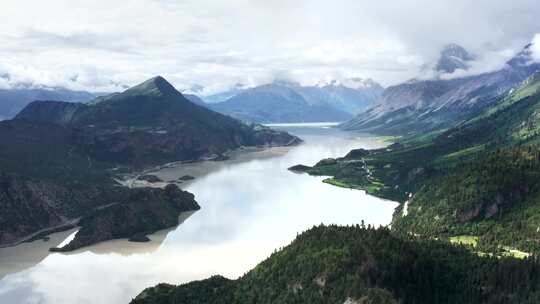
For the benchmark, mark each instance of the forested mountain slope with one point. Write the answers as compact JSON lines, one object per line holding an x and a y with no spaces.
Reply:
{"x":468,"y":180}
{"x":358,"y":265}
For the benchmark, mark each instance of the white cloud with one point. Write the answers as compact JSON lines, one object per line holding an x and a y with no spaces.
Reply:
{"x":99,"y":44}
{"x":535,"y":48}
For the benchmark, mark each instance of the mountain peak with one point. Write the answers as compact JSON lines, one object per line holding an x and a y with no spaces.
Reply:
{"x":153,"y":87}
{"x":453,"y":57}
{"x":523,"y":58}
{"x":286,"y":83}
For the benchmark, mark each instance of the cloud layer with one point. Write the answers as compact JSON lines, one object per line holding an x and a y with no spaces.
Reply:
{"x":103,"y":45}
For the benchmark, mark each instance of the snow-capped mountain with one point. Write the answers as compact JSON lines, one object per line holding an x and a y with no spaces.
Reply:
{"x":429,"y":104}
{"x":286,"y":101}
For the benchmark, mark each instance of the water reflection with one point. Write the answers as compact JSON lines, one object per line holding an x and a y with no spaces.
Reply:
{"x":250,"y":206}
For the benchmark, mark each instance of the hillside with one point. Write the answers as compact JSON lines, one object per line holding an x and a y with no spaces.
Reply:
{"x":478,"y":179}
{"x":50,"y":181}
{"x":358,"y":265}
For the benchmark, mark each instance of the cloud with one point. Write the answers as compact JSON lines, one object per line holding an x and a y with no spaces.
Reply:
{"x":101,"y":45}
{"x":535,"y":48}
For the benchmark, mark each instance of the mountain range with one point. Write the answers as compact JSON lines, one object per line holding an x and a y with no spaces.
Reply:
{"x":426,"y":105}
{"x":467,"y":177}
{"x":283,"y":101}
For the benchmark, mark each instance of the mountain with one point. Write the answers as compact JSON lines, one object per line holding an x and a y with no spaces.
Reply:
{"x":50,"y":181}
{"x":13,"y":100}
{"x":353,"y":265}
{"x":479,"y":179}
{"x":468,"y":220}
{"x":59,"y":162}
{"x":453,"y":57}
{"x":277,"y":103}
{"x":421,"y":106}
{"x":353,"y":95}
{"x":284,"y":101}
{"x":222,"y":96}
{"x":153,"y":123}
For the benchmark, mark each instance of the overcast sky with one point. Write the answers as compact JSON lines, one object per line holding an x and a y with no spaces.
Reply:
{"x":101,"y":45}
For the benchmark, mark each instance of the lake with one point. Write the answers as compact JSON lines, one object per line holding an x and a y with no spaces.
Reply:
{"x":251,"y":205}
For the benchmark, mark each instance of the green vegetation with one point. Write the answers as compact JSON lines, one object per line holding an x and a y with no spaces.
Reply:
{"x":58,"y":161}
{"x":479,"y":178}
{"x":464,"y":240}
{"x":363,"y":265}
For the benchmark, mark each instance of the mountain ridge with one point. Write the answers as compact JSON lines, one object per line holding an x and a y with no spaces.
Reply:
{"x":428,"y":105}
{"x":59,"y":161}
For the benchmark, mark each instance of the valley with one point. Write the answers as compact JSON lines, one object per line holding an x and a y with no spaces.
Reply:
{"x":280,"y":152}
{"x":228,"y":235}
{"x":59,"y":161}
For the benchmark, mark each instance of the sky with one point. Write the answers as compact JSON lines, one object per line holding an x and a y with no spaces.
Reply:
{"x":104,"y":45}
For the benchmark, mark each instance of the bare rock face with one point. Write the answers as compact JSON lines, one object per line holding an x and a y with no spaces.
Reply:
{"x":453,"y":57}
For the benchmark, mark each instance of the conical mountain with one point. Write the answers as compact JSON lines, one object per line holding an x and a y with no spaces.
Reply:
{"x":153,"y":123}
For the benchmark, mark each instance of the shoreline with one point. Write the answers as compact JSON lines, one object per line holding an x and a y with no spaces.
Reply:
{"x":197,"y":169}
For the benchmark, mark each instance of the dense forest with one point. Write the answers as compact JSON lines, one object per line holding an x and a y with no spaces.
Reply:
{"x":477,"y":180}
{"x":331,"y":264}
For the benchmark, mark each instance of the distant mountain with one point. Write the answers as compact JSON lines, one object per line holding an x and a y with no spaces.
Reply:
{"x":353,"y":95}
{"x":222,"y":96}
{"x":421,"y":106}
{"x":278,"y":103}
{"x":58,"y":161}
{"x":290,"y":102}
{"x":453,"y":57}
{"x":14,"y":100}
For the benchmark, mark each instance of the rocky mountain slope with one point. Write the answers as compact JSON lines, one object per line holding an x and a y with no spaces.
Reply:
{"x":453,"y":57}
{"x":424,"y":105}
